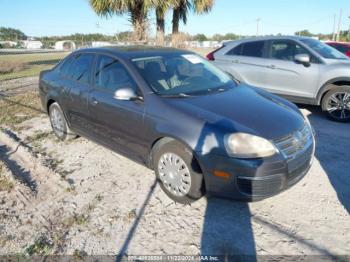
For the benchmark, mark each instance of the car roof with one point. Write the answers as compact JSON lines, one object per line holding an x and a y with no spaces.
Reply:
{"x":135,"y":51}
{"x":262,"y":38}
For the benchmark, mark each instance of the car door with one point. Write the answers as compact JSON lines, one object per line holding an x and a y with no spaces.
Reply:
{"x":117,"y":124}
{"x":75,"y":80}
{"x":287,"y":77}
{"x":247,"y":62}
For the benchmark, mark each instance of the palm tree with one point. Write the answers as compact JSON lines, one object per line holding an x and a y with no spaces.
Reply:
{"x":161,"y":8}
{"x":137,"y":10}
{"x":182,"y":7}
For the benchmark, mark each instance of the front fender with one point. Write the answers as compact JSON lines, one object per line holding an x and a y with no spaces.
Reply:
{"x":328,"y":85}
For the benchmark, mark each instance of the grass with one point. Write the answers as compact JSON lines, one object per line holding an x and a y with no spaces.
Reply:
{"x":5,"y":183}
{"x":41,"y":246}
{"x":7,"y":67}
{"x":24,"y":65}
{"x":16,"y":109}
{"x":38,"y":136}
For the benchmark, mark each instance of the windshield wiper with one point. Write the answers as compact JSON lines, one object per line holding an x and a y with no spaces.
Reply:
{"x":233,"y":78}
{"x":177,"y":95}
{"x":216,"y":90}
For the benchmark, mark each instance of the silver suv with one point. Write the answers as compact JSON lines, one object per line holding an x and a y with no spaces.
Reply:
{"x":301,"y":69}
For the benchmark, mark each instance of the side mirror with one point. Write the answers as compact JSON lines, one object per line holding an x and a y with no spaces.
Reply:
{"x":302,"y":59}
{"x":126,"y":93}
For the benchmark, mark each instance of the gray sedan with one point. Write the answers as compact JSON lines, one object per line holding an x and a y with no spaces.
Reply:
{"x":198,"y":129}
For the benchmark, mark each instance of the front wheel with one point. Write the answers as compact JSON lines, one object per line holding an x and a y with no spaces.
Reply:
{"x":178,"y":172}
{"x":336,"y":103}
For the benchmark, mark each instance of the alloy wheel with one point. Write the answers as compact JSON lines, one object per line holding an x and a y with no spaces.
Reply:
{"x":338,"y":105}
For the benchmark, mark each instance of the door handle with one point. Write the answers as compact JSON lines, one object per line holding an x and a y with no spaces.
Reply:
{"x":272,"y":66}
{"x":94,"y":101}
{"x":236,"y":61}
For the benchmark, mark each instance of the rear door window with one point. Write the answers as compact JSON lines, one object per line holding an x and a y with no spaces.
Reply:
{"x":78,"y":68}
{"x":250,"y":49}
{"x":64,"y":69}
{"x":236,"y":51}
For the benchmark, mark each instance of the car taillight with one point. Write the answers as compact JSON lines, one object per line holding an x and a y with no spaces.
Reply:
{"x":348,"y":53}
{"x":210,"y":56}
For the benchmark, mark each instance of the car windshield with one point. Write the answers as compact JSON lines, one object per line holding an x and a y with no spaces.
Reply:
{"x":323,"y":49}
{"x":182,"y":75}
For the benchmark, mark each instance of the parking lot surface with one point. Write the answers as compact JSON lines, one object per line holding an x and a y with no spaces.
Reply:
{"x":77,"y":196}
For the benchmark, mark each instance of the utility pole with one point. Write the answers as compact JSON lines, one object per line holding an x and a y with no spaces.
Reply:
{"x":338,"y":31}
{"x":257,"y":26}
{"x":334,"y":27}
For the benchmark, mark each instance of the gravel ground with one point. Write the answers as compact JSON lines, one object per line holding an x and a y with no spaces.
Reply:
{"x":77,"y":196}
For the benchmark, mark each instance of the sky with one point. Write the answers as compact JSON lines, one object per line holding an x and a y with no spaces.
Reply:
{"x":64,"y":17}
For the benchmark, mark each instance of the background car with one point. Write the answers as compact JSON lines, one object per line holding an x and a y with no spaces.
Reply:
{"x":301,"y":69}
{"x":341,"y":47}
{"x":176,"y":113}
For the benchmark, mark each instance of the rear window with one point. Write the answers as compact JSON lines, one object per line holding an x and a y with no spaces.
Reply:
{"x":252,"y":49}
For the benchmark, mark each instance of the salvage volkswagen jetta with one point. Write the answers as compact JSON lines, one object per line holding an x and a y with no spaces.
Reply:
{"x":199,"y":129}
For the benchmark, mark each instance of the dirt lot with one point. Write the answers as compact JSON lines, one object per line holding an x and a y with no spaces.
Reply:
{"x":80,"y":198}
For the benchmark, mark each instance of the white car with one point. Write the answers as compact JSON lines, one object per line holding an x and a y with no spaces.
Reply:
{"x":301,"y":69}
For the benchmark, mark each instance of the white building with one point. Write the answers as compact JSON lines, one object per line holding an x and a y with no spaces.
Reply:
{"x":100,"y":43}
{"x":65,"y":45}
{"x":32,"y":44}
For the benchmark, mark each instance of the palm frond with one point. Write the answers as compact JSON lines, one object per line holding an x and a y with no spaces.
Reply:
{"x":110,"y":7}
{"x":202,"y":6}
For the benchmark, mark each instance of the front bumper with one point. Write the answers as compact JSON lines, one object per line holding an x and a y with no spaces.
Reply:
{"x":254,"y":179}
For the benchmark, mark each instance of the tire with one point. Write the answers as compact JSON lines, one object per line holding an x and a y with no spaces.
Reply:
{"x":59,"y":123}
{"x":336,"y":103}
{"x":190,"y":186}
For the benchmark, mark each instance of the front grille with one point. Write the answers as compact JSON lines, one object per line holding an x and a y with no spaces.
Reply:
{"x":260,"y":187}
{"x":297,"y":149}
{"x":294,"y":144}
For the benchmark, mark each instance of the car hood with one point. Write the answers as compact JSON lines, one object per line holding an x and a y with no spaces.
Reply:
{"x":243,"y":109}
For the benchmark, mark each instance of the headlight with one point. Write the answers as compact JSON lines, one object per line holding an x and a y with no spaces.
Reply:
{"x":242,"y":145}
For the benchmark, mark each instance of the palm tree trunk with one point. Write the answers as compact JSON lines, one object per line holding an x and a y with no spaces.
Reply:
{"x":160,"y":14}
{"x":138,"y":19}
{"x":176,"y":20}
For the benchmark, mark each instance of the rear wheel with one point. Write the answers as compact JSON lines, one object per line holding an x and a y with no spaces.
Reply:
{"x":336,"y":103}
{"x":59,"y":124}
{"x":177,"y":172}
